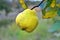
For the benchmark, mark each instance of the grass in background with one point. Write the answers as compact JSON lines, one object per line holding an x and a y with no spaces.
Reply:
{"x":13,"y":32}
{"x":5,"y":22}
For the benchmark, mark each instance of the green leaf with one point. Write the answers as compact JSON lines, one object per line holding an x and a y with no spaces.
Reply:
{"x":55,"y":27}
{"x":48,"y":3}
{"x":58,"y":12}
{"x":43,"y":12}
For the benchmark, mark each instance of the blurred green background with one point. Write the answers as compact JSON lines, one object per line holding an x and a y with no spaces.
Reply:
{"x":10,"y":31}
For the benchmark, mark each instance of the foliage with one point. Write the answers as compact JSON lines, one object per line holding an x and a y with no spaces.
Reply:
{"x":4,"y":5}
{"x":5,"y":22}
{"x":13,"y":32}
{"x":51,"y":4}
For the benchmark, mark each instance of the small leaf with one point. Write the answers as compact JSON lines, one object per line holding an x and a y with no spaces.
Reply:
{"x":50,"y":13}
{"x":23,"y":4}
{"x":53,"y":4}
{"x":55,"y":27}
{"x":48,"y":4}
{"x":58,"y":12}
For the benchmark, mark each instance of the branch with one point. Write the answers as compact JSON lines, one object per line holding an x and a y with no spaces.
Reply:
{"x":38,"y":5}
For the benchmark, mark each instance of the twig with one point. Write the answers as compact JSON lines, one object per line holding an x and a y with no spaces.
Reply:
{"x":38,"y":5}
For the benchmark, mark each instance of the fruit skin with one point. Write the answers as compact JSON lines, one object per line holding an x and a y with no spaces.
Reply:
{"x":27,"y":20}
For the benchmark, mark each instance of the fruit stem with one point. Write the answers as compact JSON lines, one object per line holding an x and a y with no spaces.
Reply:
{"x":38,"y":4}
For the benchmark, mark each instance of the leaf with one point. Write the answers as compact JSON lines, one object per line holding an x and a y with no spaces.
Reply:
{"x":23,"y":4}
{"x":43,"y":12}
{"x":58,"y":12}
{"x":53,"y":4}
{"x":54,"y":27}
{"x":48,"y":3}
{"x":50,"y":13}
{"x":58,"y":5}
